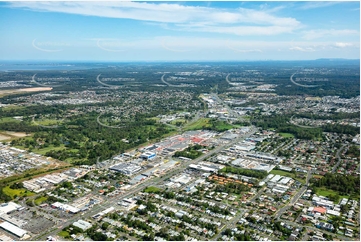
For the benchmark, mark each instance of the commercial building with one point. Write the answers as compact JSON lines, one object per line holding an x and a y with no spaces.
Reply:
{"x":126,"y":168}
{"x":148,"y":155}
{"x":137,"y":179}
{"x":82,"y":224}
{"x":65,"y":207}
{"x":13,"y":229}
{"x":202,"y":168}
{"x":105,"y":212}
{"x":9,"y":207}
{"x":182,"y":179}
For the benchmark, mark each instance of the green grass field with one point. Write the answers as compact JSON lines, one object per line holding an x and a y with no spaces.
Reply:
{"x":63,"y":234}
{"x":287,"y":135}
{"x":12,"y":107}
{"x":323,"y":191}
{"x":17,"y":192}
{"x":199,"y":124}
{"x":204,"y":123}
{"x":224,"y":126}
{"x":43,"y":151}
{"x":154,"y":118}
{"x":178,"y":120}
{"x":40,"y":200}
{"x":8,"y":119}
{"x":152,"y":189}
{"x":48,"y":122}
{"x":289,"y":174}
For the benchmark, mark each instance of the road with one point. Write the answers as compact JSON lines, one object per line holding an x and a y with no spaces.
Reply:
{"x":48,"y":127}
{"x":232,"y":83}
{"x":108,"y":85}
{"x":301,"y":126}
{"x":113,"y":201}
{"x":43,"y":85}
{"x":313,"y":228}
{"x":301,"y":85}
{"x":108,"y":126}
{"x":232,"y":223}
{"x":230,"y":111}
{"x":180,"y":128}
{"x":339,"y":159}
{"x":167,"y":83}
{"x":295,"y":198}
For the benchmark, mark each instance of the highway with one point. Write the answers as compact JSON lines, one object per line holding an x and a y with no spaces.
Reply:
{"x":231,"y":83}
{"x":230,"y":111}
{"x":113,"y":201}
{"x":44,"y":126}
{"x":301,"y":85}
{"x":301,"y":126}
{"x":167,"y":83}
{"x":43,"y":85}
{"x":108,"y":85}
{"x":108,"y":126}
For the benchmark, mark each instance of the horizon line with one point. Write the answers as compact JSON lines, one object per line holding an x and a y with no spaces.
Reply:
{"x":127,"y":61}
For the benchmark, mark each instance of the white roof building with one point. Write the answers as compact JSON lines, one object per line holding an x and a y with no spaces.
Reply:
{"x":276,"y":178}
{"x":13,"y":229}
{"x":65,"y":207}
{"x":333,"y":212}
{"x":82,"y":224}
{"x":8,"y":207}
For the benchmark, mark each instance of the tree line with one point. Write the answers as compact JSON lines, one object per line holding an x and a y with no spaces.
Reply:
{"x":244,"y":172}
{"x":344,"y":184}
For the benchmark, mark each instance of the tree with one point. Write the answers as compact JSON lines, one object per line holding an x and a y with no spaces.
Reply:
{"x":105,"y":225}
{"x":98,"y":236}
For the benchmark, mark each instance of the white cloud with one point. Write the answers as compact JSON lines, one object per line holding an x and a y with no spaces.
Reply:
{"x":319,"y":33}
{"x":317,"y":4}
{"x":241,"y":21}
{"x":303,"y":49}
{"x":343,"y":45}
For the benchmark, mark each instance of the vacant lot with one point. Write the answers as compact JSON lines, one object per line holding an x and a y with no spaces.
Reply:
{"x":199,"y":124}
{"x":23,"y":90}
{"x":152,"y":189}
{"x":17,"y":192}
{"x":287,"y":135}
{"x":17,"y":134}
{"x":4,"y":137}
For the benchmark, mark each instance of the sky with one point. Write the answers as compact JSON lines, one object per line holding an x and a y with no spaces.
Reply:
{"x":179,"y":30}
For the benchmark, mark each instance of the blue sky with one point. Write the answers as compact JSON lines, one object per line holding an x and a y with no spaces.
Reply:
{"x":179,"y":31}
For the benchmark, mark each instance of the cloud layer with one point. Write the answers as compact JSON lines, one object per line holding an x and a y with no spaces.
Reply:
{"x":240,"y":21}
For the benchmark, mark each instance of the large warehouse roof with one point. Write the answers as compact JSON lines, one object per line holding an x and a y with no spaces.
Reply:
{"x":8,"y":207}
{"x":13,"y":229}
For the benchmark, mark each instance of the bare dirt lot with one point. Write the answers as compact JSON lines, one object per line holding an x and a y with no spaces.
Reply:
{"x":4,"y":137}
{"x":35,"y":89}
{"x":17,"y":134}
{"x":22,"y":90}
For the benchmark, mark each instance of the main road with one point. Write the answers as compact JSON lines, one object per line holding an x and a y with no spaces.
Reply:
{"x":138,"y":188}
